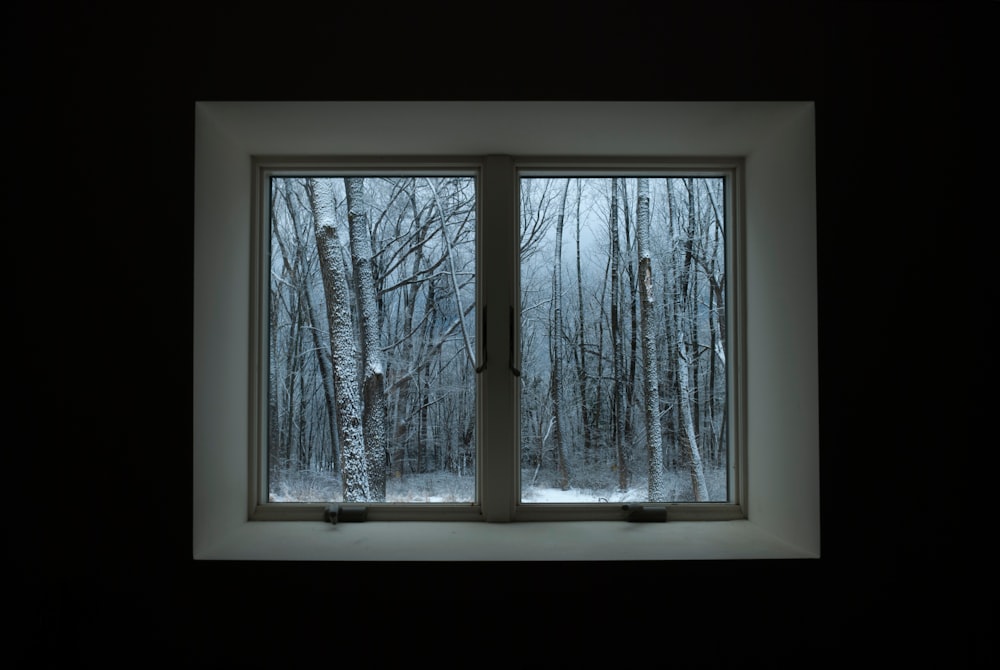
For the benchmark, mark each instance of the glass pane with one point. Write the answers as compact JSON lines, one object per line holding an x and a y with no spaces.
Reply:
{"x":623,"y":340}
{"x":371,"y":392}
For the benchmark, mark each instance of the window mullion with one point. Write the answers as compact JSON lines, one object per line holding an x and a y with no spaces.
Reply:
{"x":499,"y":288}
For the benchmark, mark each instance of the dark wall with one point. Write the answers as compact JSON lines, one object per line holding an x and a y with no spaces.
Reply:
{"x":99,"y":102}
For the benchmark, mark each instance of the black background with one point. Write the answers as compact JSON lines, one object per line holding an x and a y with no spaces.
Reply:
{"x":99,"y":244}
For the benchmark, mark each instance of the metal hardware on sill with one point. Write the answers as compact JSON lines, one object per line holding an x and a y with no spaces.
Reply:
{"x":639,"y":513}
{"x":347,"y":513}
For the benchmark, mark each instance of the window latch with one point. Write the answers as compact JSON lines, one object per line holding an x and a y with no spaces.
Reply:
{"x":514,"y":363}
{"x":482,"y":366}
{"x":645,"y":513}
{"x":335,"y":512}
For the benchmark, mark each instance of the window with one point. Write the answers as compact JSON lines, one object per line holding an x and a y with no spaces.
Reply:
{"x":371,"y":337}
{"x":780,"y":518}
{"x":624,"y":285}
{"x":372,"y":355}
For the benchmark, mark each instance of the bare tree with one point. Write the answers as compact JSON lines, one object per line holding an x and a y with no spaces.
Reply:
{"x":618,"y":407}
{"x":651,"y":386}
{"x":714,"y":267}
{"x":581,"y":351}
{"x":354,"y":464}
{"x":373,"y":374}
{"x":297,"y":269}
{"x":633,"y":332}
{"x":555,"y":339}
{"x":684,"y":357}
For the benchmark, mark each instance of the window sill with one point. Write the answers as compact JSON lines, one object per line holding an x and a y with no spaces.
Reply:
{"x":475,"y":541}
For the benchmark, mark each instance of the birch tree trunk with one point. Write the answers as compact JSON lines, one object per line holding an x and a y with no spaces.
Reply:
{"x":618,"y":383}
{"x":555,"y":378}
{"x":373,"y":375}
{"x":354,"y":464}
{"x":651,"y":385}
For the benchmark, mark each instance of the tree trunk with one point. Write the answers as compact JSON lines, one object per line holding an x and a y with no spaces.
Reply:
{"x":354,"y":465}
{"x":618,"y":383}
{"x":319,"y":347}
{"x":695,"y":466}
{"x":555,"y":379}
{"x":651,"y":386}
{"x":373,"y":376}
{"x":689,"y":308}
{"x":633,"y":344}
{"x":581,"y":340}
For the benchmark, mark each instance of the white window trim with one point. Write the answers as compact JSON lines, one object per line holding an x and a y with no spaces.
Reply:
{"x":776,"y":142}
{"x":498,"y":478}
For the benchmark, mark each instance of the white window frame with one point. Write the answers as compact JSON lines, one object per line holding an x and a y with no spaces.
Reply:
{"x":263,"y":169}
{"x":731,"y":169}
{"x":498,"y":484}
{"x":774,"y":141}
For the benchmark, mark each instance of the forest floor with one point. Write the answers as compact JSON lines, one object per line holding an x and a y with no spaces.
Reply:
{"x":451,"y":488}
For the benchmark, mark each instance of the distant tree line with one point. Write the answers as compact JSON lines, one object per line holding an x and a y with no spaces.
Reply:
{"x":372,"y":343}
{"x":623,"y":331}
{"x":372,"y":330}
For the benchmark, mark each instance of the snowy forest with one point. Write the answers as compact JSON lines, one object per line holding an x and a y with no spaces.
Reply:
{"x":372,"y":339}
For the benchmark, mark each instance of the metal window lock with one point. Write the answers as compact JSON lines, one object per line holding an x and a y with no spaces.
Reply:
{"x":335,"y":512}
{"x":645,"y":512}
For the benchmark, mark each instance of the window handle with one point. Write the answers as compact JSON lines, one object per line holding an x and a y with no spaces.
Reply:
{"x":640,"y":513}
{"x":515,"y":363}
{"x":336,"y":512}
{"x":482,"y":366}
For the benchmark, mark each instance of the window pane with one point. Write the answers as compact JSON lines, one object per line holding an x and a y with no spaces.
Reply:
{"x":371,"y":391}
{"x":623,"y":339}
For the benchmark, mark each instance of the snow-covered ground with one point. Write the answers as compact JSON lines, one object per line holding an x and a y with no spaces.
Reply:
{"x":445,"y":488}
